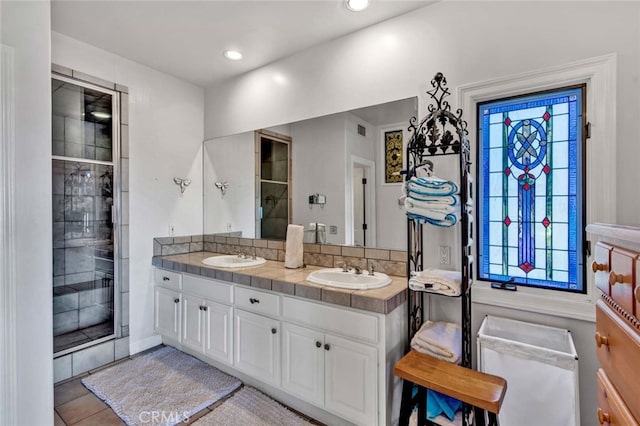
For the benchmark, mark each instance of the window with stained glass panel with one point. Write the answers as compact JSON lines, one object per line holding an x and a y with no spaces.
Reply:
{"x":531,"y":190}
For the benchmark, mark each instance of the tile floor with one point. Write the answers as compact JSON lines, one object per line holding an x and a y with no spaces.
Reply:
{"x":76,"y":405}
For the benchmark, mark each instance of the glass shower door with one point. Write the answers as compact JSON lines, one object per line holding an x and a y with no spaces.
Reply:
{"x":83,"y":134}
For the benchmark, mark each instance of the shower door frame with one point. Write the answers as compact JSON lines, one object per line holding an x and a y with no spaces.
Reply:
{"x":115,"y":211}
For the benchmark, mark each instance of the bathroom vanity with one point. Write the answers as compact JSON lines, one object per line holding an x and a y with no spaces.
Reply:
{"x":324,"y":351}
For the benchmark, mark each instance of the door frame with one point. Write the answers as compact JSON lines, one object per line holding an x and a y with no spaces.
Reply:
{"x":369,"y":167}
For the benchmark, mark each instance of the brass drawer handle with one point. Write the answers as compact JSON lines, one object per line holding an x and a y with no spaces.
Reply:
{"x":603,"y":417}
{"x":595,"y":266}
{"x":615,"y":278}
{"x":601,"y":340}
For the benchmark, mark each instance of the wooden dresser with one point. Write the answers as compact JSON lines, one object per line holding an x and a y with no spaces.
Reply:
{"x":616,"y":267}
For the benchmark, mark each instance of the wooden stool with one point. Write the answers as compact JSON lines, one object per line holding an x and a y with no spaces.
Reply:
{"x":480,"y":390}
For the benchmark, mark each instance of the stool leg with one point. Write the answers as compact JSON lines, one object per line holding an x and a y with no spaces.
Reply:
{"x":493,"y":419}
{"x":406,"y":404}
{"x":421,"y":399}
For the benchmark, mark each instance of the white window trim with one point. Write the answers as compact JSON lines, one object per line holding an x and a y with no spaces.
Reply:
{"x":599,"y":75}
{"x":8,"y":283}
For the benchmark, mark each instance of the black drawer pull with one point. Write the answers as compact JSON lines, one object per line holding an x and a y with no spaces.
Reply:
{"x":318,"y":344}
{"x":165,"y":278}
{"x":274,"y":331}
{"x":204,"y":308}
{"x":176,"y":300}
{"x":252,"y":300}
{"x":327,"y":346}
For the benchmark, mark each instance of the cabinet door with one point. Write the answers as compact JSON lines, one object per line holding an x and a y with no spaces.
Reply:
{"x":167,"y":313}
{"x":192,"y":322}
{"x":303,"y":363}
{"x":351,"y":385}
{"x":257,"y":346}
{"x":218,"y":329}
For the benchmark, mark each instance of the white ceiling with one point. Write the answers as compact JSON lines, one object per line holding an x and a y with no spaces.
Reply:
{"x":186,"y":38}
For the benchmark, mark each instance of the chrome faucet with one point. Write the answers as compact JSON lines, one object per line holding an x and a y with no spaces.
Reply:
{"x":371,"y":269}
{"x":358,"y":270}
{"x":345,"y":267}
{"x":254,"y":254}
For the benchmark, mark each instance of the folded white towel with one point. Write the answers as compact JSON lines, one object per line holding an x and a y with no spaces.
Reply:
{"x":449,"y":200}
{"x":437,"y":281}
{"x":429,"y":210}
{"x":440,"y":340}
{"x":294,"y":250}
{"x":432,"y":186}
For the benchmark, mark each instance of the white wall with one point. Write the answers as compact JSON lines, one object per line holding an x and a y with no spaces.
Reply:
{"x":391,"y":225}
{"x":165,"y":138}
{"x":469,"y":42}
{"x":231,"y":159}
{"x":318,"y":162}
{"x":26,"y":28}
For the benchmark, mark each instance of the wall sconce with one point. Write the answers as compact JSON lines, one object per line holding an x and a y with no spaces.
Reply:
{"x":182,"y":183}
{"x":222,"y":186}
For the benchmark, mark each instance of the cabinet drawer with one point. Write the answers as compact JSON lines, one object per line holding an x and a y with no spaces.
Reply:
{"x":340,"y":321}
{"x":209,"y":289}
{"x":618,"y":349}
{"x":600,"y":266}
{"x":168,"y":279}
{"x":636,"y":290}
{"x":621,"y":277}
{"x":257,"y":301}
{"x":612,"y":410}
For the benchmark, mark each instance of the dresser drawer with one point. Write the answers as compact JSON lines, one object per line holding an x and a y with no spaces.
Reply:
{"x":636,"y":291}
{"x":612,"y":410}
{"x":600,"y":266}
{"x":618,"y":349}
{"x":257,"y":301}
{"x":168,"y":279}
{"x":622,"y":277}
{"x":209,"y":289}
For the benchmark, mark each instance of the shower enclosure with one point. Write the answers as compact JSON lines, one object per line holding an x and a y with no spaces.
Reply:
{"x":84,"y":134}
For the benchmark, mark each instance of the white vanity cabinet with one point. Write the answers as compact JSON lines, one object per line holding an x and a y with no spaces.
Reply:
{"x":328,"y":364}
{"x":207,"y":327}
{"x":338,"y":359}
{"x":335,"y":373}
{"x":257,"y":334}
{"x":207,"y":316}
{"x":167,"y":312}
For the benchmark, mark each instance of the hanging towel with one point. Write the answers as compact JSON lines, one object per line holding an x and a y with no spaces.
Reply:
{"x":437,"y":281}
{"x":439,"y":339}
{"x":294,"y":251}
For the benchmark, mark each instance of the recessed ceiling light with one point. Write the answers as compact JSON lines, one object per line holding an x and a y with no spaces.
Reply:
{"x":99,"y":114}
{"x":234,"y":55}
{"x":357,"y":5}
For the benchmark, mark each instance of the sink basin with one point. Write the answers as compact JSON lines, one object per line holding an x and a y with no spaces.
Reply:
{"x":335,"y":277}
{"x":233,"y":261}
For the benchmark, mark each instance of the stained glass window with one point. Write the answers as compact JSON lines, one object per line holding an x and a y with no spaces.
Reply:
{"x":530,"y":182}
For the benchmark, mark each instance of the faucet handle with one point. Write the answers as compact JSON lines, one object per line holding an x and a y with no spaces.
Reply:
{"x":345,"y":267}
{"x":371,"y":268}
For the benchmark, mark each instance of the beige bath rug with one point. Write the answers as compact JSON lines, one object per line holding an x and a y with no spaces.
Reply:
{"x":249,"y":406}
{"x":163,"y":387}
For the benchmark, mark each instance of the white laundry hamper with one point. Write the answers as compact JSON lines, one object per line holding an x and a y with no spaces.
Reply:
{"x":540,"y":365}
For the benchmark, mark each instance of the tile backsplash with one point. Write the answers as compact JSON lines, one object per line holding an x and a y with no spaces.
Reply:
{"x":392,"y":262}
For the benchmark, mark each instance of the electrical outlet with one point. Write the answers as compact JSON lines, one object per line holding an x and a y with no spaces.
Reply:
{"x":228,"y":226}
{"x":445,"y":255}
{"x":333,"y":230}
{"x":172,"y":230}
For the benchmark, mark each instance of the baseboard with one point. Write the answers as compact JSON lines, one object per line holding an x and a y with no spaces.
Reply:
{"x":144,"y":344}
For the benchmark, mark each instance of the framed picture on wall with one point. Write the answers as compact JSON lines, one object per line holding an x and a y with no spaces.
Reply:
{"x":392,"y":156}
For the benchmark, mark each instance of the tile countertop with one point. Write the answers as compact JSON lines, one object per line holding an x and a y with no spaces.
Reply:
{"x":275,"y":277}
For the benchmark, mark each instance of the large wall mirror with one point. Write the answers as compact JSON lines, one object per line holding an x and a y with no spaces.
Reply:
{"x":344,"y":183}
